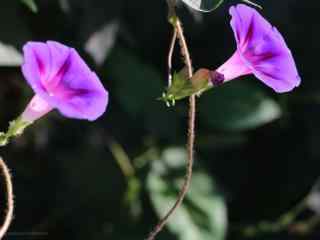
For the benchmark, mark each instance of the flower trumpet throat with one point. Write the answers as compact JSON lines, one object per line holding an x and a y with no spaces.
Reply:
{"x":260,"y":50}
{"x":60,"y":80}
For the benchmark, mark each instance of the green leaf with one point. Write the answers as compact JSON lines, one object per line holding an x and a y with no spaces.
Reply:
{"x":137,"y":87}
{"x":238,"y":106}
{"x":31,"y":5}
{"x":203,"y":5}
{"x":202,"y":215}
{"x":138,"y":84}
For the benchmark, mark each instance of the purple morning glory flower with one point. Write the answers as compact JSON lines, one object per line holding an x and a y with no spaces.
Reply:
{"x":261,"y":50}
{"x":62,"y":80}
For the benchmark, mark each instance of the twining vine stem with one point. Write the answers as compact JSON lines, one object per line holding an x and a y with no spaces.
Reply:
{"x":170,"y":54}
{"x":178,"y":33}
{"x":171,"y":10}
{"x":10,"y":201}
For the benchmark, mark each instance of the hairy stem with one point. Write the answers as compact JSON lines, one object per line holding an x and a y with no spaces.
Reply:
{"x":191,"y":132}
{"x":10,"y":202}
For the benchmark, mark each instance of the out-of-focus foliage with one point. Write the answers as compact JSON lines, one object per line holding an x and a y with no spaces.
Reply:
{"x":9,"y":56}
{"x":203,"y":216}
{"x":257,"y":153}
{"x":30,"y":4}
{"x":248,"y":107}
{"x":203,"y":5}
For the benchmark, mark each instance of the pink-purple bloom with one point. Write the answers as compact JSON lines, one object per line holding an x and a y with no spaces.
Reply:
{"x":62,"y":80}
{"x":261,"y":50}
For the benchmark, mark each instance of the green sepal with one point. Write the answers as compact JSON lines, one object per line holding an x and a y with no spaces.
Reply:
{"x":16,"y":128}
{"x":183,"y":87}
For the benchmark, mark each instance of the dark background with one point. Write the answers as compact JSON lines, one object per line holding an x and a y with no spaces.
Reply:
{"x":257,"y":152}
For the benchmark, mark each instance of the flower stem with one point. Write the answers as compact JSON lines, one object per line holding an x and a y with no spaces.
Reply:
{"x":171,"y":15}
{"x":10,"y":202}
{"x":283,"y":222}
{"x":191,"y":128}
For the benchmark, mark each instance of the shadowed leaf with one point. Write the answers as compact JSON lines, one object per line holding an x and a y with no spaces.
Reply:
{"x":203,"y":214}
{"x":238,"y":106}
{"x":31,"y":5}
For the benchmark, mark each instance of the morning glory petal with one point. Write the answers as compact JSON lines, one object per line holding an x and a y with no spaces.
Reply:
{"x":60,"y":77}
{"x":261,"y":50}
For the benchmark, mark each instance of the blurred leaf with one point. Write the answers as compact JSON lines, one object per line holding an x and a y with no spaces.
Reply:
{"x":238,"y":106}
{"x":313,"y":198}
{"x":132,"y":197}
{"x":30,"y":4}
{"x":65,"y":5}
{"x":98,"y":18}
{"x":203,"y":214}
{"x":203,"y":5}
{"x":138,"y":84}
{"x":9,"y":56}
{"x":13,"y":24}
{"x":101,"y":42}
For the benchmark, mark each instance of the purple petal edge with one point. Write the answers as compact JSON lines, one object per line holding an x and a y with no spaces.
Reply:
{"x":263,"y":49}
{"x":59,"y":76}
